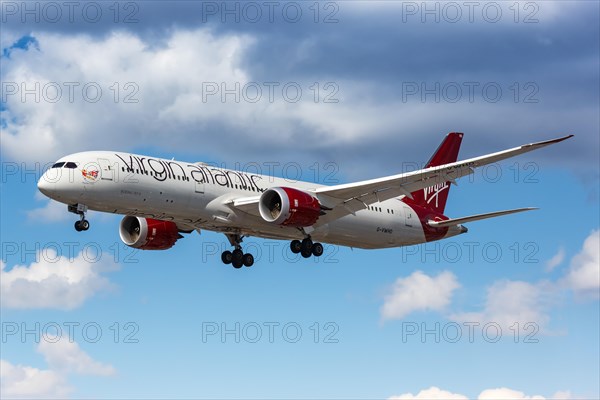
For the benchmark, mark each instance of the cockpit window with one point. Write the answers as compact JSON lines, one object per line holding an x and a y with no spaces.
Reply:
{"x":58,"y":165}
{"x":70,"y":165}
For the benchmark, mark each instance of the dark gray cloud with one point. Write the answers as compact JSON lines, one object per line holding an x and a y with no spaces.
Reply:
{"x":375,"y":53}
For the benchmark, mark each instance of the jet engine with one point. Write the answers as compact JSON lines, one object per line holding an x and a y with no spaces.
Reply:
{"x":289,"y":207}
{"x":148,"y":233}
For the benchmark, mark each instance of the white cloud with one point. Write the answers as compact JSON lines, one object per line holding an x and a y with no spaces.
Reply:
{"x":63,"y":358}
{"x":583,"y":276}
{"x":562,"y":395}
{"x":556,"y":260}
{"x":24,"y":382}
{"x":161,"y":77}
{"x":169,"y":81}
{"x":433,"y":393}
{"x":419,"y":292}
{"x":52,"y":211}
{"x":66,"y":356}
{"x":506,"y":394}
{"x":53,"y":281}
{"x":509,"y":302}
{"x":517,"y":302}
{"x":513,"y":305}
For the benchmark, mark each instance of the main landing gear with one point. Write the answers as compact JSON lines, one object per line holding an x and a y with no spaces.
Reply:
{"x":237,"y":258}
{"x":306,"y":248}
{"x":80,"y":209}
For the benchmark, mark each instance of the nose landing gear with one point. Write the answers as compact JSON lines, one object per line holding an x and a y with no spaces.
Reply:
{"x":82,"y":225}
{"x":80,"y":209}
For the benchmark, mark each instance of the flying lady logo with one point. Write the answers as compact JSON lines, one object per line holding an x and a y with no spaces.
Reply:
{"x":434,"y":191}
{"x":90,"y":175}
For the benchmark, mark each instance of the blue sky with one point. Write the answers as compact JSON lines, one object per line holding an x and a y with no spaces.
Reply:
{"x":354,"y":91}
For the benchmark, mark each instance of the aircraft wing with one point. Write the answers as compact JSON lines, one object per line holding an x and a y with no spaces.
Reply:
{"x":344,"y":199}
{"x":351,"y":197}
{"x":248,"y":205}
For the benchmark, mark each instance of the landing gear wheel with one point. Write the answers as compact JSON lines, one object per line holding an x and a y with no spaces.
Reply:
{"x":306,"y":253}
{"x":82,"y":225}
{"x":306,"y":246}
{"x":248,"y":260}
{"x":317,"y":249}
{"x":237,"y":258}
{"x":296,"y":246}
{"x":226,"y":257}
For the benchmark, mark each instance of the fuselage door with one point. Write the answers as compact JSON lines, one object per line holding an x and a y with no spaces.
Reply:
{"x":409,"y":216}
{"x":199,"y":187}
{"x":107,"y":171}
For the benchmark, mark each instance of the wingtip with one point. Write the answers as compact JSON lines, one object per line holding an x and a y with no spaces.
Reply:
{"x":564,"y":138}
{"x":551,"y":141}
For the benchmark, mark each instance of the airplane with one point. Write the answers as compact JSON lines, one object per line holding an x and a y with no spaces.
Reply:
{"x":162,"y":199}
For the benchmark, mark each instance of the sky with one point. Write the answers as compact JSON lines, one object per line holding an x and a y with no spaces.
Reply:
{"x":329,"y":92}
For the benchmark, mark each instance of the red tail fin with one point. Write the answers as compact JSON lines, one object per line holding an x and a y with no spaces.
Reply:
{"x":434,"y":197}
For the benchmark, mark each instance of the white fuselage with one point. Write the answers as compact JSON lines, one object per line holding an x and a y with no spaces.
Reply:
{"x":196,"y":196}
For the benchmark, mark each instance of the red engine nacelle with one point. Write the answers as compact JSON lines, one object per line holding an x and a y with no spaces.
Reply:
{"x":148,"y":233}
{"x":289,"y":207}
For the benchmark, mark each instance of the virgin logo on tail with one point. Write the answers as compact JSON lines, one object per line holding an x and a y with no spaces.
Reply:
{"x":434,"y":191}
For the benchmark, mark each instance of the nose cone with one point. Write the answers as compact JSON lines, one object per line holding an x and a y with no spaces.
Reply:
{"x":45,"y":186}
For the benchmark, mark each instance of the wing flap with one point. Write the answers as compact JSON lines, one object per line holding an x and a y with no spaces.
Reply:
{"x":248,"y":205}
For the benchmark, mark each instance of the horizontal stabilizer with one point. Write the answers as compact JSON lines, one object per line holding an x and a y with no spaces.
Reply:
{"x":456,"y":221}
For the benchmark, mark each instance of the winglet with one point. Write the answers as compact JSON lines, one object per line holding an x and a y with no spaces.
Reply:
{"x":551,"y":141}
